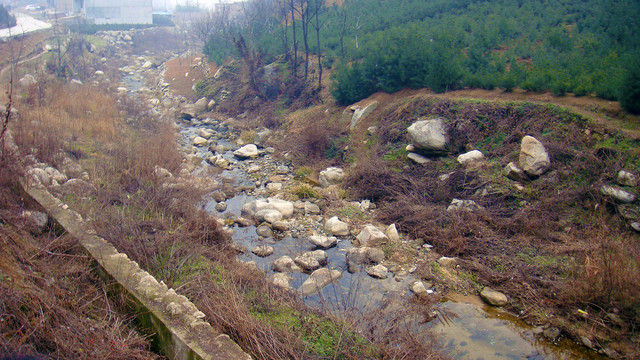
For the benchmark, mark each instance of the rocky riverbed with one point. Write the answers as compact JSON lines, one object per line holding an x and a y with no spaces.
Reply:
{"x":312,"y":246}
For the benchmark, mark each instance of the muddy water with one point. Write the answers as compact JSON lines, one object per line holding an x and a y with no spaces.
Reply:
{"x":475,"y":331}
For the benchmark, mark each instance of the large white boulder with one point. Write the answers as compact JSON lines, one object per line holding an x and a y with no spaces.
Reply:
{"x":331,"y":176}
{"x":27,"y":81}
{"x":319,"y":279}
{"x":370,"y":234}
{"x":363,"y":256}
{"x":430,"y":135}
{"x":247,"y":151}
{"x":336,"y":227}
{"x":283,"y":206}
{"x":534,"y":159}
{"x":378,"y":271}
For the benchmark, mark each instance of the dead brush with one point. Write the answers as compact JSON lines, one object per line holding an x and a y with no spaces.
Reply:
{"x":52,"y":304}
{"x":82,"y":115}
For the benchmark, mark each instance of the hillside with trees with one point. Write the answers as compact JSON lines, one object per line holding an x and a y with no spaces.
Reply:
{"x":579,"y":47}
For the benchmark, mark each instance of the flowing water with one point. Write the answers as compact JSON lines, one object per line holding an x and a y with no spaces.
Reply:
{"x":474,"y":331}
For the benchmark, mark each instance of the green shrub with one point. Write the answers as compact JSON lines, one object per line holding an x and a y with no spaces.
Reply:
{"x":630,"y":90}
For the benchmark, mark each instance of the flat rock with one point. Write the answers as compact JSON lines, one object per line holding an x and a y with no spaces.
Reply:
{"x":263,"y":250}
{"x":324,"y":242}
{"x":318,"y":280}
{"x":493,"y":297}
{"x":284,"y":207}
{"x":617,"y":194}
{"x":336,"y":227}
{"x":418,"y":159}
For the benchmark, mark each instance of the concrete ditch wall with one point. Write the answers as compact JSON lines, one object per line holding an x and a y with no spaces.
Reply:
{"x":178,"y":326}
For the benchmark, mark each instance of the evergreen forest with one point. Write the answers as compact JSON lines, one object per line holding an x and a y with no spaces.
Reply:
{"x":564,"y":46}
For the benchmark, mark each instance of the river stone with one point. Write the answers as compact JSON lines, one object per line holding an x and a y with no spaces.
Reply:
{"x":311,"y":260}
{"x":617,"y":194}
{"x":285,"y":264}
{"x":370,"y":234}
{"x":467,"y":205}
{"x":336,"y":227}
{"x":264,"y":231}
{"x":37,"y":218}
{"x":162,"y":173}
{"x":201,"y":105}
{"x":221,"y":206}
{"x":268,"y":215}
{"x":283,"y":280}
{"x":493,"y":297}
{"x":274,"y":187}
{"x":283,"y":206}
{"x":324,"y":242}
{"x":470,"y":157}
{"x":363,"y":255}
{"x":626,"y":178}
{"x":419,"y":288}
{"x":447,"y":262}
{"x":205,"y":133}
{"x":392,"y":233}
{"x":318,"y":280}
{"x":311,"y":209}
{"x":331,"y":176}
{"x":534,"y":159}
{"x":280,"y":226}
{"x":378,"y":271}
{"x":635,"y":226}
{"x":263,"y":250}
{"x":418,"y":159}
{"x":199,"y":141}
{"x":247,"y":151}
{"x":429,"y":135}
{"x":513,"y":172}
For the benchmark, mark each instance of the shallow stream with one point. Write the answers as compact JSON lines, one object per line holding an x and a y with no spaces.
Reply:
{"x":475,"y":331}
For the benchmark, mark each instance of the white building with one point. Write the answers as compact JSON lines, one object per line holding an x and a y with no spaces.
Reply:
{"x":119,"y":11}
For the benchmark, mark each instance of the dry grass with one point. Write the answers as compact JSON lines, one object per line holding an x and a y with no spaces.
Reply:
{"x":556,"y":246}
{"x":63,"y":115}
{"x":52,"y":304}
